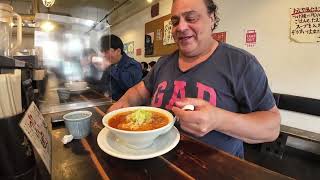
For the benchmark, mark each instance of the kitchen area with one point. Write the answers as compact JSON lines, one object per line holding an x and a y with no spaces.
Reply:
{"x":52,"y":65}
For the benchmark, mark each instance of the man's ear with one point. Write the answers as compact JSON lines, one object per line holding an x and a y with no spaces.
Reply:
{"x":118,"y":51}
{"x":212,"y":21}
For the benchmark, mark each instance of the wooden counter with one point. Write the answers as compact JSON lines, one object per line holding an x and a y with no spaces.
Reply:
{"x":190,"y":159}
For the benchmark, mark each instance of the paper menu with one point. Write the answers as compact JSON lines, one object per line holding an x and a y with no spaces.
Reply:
{"x":36,"y":129}
{"x":167,"y":35}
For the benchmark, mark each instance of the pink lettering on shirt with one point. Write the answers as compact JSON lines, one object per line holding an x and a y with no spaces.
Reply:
{"x":212,"y":93}
{"x":179,"y":89}
{"x":158,"y":96}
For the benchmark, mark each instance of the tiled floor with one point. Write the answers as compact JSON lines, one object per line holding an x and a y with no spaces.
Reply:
{"x":295,"y":163}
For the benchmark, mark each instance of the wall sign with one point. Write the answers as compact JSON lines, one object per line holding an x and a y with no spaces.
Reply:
{"x":138,"y":52}
{"x":251,"y":38}
{"x":155,"y":10}
{"x":305,"y":24}
{"x":36,"y":129}
{"x":148,"y":43}
{"x":220,"y":36}
{"x":128,"y":48}
{"x":159,"y":35}
{"x":167,"y":36}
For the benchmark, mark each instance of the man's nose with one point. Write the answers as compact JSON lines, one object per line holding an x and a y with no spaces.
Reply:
{"x":182,"y":25}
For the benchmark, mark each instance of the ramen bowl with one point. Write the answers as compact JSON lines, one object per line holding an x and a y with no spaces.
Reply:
{"x":138,"y":139}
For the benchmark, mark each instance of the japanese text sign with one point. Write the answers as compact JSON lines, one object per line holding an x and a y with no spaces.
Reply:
{"x":36,"y":129}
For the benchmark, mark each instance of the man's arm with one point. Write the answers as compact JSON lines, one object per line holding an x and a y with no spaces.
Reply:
{"x":255,"y":127}
{"x":137,"y":95}
{"x":127,"y":77}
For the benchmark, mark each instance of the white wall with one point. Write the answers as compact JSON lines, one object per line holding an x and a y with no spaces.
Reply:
{"x":292,"y":68}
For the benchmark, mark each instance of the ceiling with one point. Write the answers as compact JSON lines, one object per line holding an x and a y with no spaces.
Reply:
{"x":102,"y":4}
{"x":87,"y":9}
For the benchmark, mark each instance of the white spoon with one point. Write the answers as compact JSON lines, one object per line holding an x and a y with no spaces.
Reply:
{"x":188,"y":107}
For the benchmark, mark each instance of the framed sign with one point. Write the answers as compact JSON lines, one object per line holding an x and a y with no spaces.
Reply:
{"x":36,"y":129}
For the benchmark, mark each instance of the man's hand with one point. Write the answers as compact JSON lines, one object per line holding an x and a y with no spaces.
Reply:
{"x":100,"y":63}
{"x":200,"y":121}
{"x":135,"y":96}
{"x":118,"y":105}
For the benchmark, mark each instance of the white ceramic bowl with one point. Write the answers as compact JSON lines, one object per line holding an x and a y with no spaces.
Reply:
{"x":76,"y":85}
{"x":138,"y":139}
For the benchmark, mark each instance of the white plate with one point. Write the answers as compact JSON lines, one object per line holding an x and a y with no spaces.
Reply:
{"x":111,"y":145}
{"x":79,"y":90}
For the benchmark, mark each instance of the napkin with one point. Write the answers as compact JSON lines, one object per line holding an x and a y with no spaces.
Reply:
{"x":10,"y":94}
{"x":4,"y":97}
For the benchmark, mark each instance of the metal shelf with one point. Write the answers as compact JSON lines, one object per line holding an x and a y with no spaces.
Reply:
{"x":6,"y":62}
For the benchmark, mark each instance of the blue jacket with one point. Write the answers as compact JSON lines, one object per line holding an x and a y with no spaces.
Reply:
{"x":118,"y":78}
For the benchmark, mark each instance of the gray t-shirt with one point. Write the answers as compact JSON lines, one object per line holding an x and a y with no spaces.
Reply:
{"x":231,"y":79}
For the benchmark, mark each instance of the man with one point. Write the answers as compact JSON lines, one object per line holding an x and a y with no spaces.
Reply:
{"x":124,"y":71}
{"x":228,"y":87}
{"x":151,"y":64}
{"x":144,"y":67}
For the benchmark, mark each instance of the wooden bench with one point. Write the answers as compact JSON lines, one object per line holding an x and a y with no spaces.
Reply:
{"x":302,"y":105}
{"x":299,"y":133}
{"x":296,"y":104}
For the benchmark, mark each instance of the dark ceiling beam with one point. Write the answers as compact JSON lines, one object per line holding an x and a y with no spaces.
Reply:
{"x":109,"y":13}
{"x":35,"y":6}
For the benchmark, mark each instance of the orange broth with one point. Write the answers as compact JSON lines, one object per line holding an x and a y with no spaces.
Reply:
{"x":119,"y":122}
